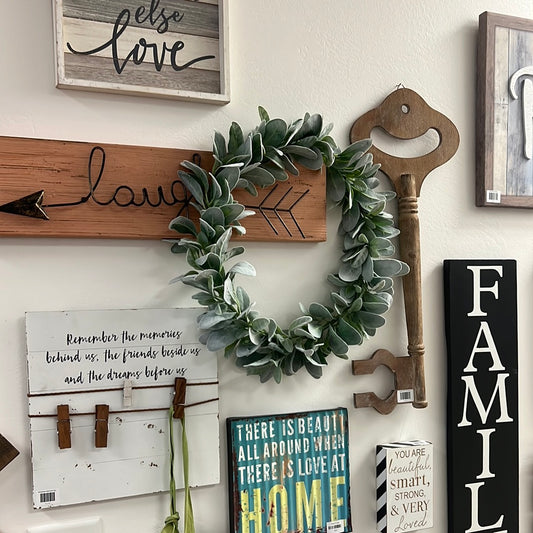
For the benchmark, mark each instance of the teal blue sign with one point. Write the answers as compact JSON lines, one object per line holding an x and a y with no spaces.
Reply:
{"x":289,"y":473}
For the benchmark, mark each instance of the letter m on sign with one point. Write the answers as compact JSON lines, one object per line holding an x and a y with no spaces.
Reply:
{"x":482,"y":424}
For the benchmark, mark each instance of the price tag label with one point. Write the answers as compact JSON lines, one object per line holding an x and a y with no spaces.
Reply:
{"x":406,"y":396}
{"x":335,"y":527}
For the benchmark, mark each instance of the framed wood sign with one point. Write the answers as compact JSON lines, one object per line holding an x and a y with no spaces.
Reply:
{"x":161,"y":48}
{"x":482,"y":427}
{"x":290,"y":472}
{"x":504,"y":122}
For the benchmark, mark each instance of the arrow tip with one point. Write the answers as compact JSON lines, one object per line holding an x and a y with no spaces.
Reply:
{"x":28,"y":206}
{"x":7,"y":452}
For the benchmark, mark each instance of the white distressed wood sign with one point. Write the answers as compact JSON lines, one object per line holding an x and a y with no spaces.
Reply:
{"x":163,"y":48}
{"x":100,"y":387}
{"x":404,"y":486}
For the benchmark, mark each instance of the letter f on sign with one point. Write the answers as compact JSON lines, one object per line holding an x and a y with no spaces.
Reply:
{"x":478,"y":289}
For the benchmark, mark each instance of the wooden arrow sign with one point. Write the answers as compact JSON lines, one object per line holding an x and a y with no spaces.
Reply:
{"x":133,"y":192}
{"x":7,"y":452}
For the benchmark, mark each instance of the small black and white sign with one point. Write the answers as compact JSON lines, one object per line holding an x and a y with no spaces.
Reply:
{"x":404,"y":479}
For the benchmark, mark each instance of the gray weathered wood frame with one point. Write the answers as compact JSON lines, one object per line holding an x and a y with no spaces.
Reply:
{"x":203,"y":27}
{"x":504,"y":173}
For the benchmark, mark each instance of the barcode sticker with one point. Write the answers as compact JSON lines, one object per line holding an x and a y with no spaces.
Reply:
{"x":335,"y":527}
{"x":494,"y":197}
{"x":48,"y":497}
{"x":405,"y":396}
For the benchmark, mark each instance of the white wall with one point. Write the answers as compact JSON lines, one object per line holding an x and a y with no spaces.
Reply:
{"x":336,"y":57}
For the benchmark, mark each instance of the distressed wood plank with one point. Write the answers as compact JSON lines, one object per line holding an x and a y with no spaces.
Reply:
{"x":82,"y":36}
{"x":291,"y":211}
{"x":484,"y":108}
{"x":83,"y":473}
{"x":501,"y":108}
{"x":200,"y":18}
{"x":101,"y":69}
{"x":519,"y":169}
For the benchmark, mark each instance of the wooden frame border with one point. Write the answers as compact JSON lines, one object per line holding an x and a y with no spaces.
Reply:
{"x":114,"y":84}
{"x":499,"y":182}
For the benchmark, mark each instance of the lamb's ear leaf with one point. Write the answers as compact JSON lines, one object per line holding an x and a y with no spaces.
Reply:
{"x":199,"y":173}
{"x":337,"y":345}
{"x":242,"y":267}
{"x":236,"y":137}
{"x":219,"y":146}
{"x":193,"y":186}
{"x":183,"y":225}
{"x":263,"y":115}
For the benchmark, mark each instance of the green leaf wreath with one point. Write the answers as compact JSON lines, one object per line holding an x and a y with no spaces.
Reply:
{"x":362,"y":287}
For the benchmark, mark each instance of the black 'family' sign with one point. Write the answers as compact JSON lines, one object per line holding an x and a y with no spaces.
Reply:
{"x":481,"y":332}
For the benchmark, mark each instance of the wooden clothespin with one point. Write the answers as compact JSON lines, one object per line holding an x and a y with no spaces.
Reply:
{"x":101,"y":427}
{"x":63,"y":427}
{"x":178,"y":402}
{"x":128,"y":393}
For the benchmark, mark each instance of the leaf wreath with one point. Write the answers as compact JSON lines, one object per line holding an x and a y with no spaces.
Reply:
{"x":363,"y":285}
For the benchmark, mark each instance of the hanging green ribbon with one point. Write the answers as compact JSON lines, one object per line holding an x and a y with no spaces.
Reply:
{"x":171,"y":522}
{"x":188,"y":526}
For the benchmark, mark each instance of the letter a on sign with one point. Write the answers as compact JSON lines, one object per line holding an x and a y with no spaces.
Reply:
{"x":481,"y":336}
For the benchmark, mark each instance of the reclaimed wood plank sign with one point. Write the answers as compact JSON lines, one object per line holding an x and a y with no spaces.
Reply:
{"x":79,"y":189}
{"x":481,"y":334}
{"x":504,"y":125}
{"x":404,"y":486}
{"x":168,"y":49}
{"x":100,"y":387}
{"x":290,"y":472}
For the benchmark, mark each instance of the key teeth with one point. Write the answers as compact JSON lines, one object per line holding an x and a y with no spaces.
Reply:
{"x":369,"y":399}
{"x":404,"y":378}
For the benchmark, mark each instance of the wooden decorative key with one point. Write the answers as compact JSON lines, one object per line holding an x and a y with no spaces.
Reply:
{"x":405,"y":115}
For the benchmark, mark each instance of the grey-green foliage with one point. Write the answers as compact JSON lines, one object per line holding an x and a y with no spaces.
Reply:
{"x":362,"y":286}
